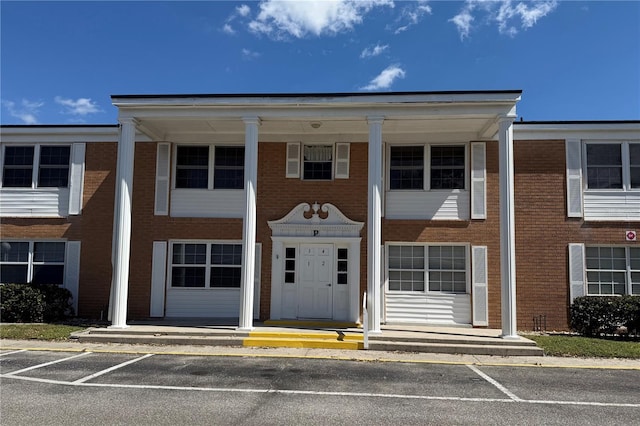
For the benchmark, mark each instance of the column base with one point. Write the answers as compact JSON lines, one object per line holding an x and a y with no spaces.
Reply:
{"x":510,"y":337}
{"x":245,"y":329}
{"x":118,"y":327}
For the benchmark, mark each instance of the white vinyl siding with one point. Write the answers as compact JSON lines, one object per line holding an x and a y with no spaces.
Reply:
{"x":609,"y":191}
{"x":427,"y":284}
{"x":208,"y":302}
{"x":422,"y":202}
{"x":36,"y":200}
{"x":205,"y":201}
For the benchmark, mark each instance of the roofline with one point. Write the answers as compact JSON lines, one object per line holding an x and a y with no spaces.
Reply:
{"x":576,"y":122}
{"x":54,"y":126}
{"x":314,"y":95}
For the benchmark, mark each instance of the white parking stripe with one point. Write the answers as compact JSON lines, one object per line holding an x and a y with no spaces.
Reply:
{"x":322,"y":393}
{"x":12,"y":352}
{"x":47,"y":363}
{"x":115,"y":367}
{"x":494,"y":383}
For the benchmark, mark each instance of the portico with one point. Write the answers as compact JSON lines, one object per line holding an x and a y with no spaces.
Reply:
{"x":380,"y":120}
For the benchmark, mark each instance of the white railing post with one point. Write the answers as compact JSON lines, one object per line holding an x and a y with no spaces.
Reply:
{"x":365,"y":321}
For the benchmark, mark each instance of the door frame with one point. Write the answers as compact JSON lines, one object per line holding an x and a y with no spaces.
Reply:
{"x":283,"y":294}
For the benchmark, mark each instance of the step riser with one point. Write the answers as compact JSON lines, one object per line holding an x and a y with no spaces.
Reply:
{"x":317,"y":344}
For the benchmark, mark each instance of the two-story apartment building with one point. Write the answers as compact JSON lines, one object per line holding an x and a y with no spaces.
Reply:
{"x":437,"y":205}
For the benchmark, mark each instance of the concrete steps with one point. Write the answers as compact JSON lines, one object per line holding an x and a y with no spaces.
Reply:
{"x":318,"y":339}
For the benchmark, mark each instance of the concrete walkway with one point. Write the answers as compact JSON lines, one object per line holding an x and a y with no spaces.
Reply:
{"x":316,"y":335}
{"x":362,"y":355}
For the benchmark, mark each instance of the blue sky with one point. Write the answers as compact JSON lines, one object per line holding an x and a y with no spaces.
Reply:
{"x":61,"y":61}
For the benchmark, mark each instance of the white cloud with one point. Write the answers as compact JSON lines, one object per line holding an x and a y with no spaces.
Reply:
{"x":279,"y":19}
{"x":386,"y":78}
{"x":412,"y":14}
{"x":250,"y":54}
{"x":80,"y":106}
{"x":373,"y":51}
{"x":26,"y":110}
{"x":243,"y":10}
{"x":509,"y":16}
{"x":228,"y":29}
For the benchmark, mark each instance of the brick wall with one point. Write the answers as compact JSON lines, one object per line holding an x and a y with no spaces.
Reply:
{"x":543,"y":232}
{"x":93,"y":228}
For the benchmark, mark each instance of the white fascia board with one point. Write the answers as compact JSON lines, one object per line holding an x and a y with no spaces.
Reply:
{"x":318,"y":99}
{"x":586,"y":130}
{"x":44,"y":134}
{"x":453,"y":110}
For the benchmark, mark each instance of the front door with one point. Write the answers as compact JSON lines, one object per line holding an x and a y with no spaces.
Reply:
{"x":315,"y":298}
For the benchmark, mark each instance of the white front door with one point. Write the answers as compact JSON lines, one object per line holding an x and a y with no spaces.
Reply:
{"x":315,"y":298}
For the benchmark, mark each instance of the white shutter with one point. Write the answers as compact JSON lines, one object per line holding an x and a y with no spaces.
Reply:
{"x":478,"y":181}
{"x":158,"y":278}
{"x":576,"y":271}
{"x":76,"y":178}
{"x":256,"y":282}
{"x":72,"y":271}
{"x":342,"y":161}
{"x":479,"y":289}
{"x":383,"y":185}
{"x":573,"y":149}
{"x":162,"y":179}
{"x":293,"y":160}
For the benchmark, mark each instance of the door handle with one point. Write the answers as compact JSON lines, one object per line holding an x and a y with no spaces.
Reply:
{"x":329,"y":285}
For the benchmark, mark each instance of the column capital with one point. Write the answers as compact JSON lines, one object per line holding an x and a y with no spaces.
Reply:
{"x":506,"y":118}
{"x":375,"y":119}
{"x":252,"y":120}
{"x":128,"y":120}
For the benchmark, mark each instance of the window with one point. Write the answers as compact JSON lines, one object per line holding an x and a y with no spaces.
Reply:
{"x":318,"y":162}
{"x":290,"y":265}
{"x":229,"y":168}
{"x":204,"y":265}
{"x":39,"y":262}
{"x":343,"y":266}
{"x":613,"y":270}
{"x":194,"y":165}
{"x":443,"y":268}
{"x":608,"y":164}
{"x":447,"y":167}
{"x":51,"y":164}
{"x":406,"y":167}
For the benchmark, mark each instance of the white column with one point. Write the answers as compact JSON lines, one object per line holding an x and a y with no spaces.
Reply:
{"x":122,"y":224}
{"x":374,"y":222}
{"x":507,"y":230}
{"x":249,"y":222}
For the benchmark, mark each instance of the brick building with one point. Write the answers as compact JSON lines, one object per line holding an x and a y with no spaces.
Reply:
{"x":436,"y":204}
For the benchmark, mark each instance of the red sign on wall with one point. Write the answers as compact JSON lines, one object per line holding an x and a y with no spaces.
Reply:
{"x":630,"y":235}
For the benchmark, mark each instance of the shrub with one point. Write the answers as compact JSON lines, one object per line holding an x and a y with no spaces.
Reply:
{"x":596,"y":315}
{"x":34,"y":303}
{"x":57,"y":302}
{"x":21,"y":303}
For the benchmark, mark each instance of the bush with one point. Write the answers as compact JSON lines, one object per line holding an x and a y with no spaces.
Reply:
{"x":597,"y":315}
{"x":34,"y":303}
{"x":57,"y":302}
{"x":21,"y":303}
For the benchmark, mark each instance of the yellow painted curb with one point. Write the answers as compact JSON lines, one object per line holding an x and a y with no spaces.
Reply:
{"x":312,"y":323}
{"x":301,"y":343}
{"x":296,"y":335}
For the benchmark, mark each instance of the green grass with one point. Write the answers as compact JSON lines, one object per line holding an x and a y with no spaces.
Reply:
{"x":37,"y":331}
{"x":587,"y":347}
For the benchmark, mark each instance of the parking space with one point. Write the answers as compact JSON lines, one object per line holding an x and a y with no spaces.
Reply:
{"x":326,"y":378}
{"x":562,"y":384}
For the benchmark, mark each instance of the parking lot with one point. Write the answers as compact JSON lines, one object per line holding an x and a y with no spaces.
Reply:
{"x":54,"y":387}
